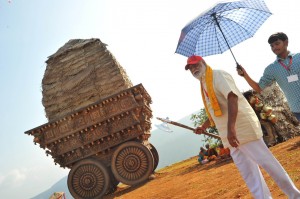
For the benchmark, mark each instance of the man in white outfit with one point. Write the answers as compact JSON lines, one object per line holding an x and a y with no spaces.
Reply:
{"x":239,"y":129}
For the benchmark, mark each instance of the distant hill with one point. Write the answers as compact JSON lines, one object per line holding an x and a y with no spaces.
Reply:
{"x":60,"y":186}
{"x":177,"y":145}
{"x":172,"y":147}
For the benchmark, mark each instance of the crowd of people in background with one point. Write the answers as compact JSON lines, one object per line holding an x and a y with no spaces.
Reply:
{"x":208,"y":153}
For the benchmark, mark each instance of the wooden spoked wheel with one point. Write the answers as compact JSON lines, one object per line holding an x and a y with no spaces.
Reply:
{"x":88,"y":179}
{"x":155,"y":156}
{"x":132,"y":163}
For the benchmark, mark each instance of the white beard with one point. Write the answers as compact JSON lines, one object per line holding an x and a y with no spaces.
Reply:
{"x":200,"y":74}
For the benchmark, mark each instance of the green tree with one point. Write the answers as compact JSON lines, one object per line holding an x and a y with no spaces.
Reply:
{"x":200,"y":118}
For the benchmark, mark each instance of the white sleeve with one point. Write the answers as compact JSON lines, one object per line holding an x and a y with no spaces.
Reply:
{"x":224,"y":84}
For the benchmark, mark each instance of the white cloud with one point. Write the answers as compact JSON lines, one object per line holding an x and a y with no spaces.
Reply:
{"x":14,"y":178}
{"x":29,"y":181}
{"x":1,"y":179}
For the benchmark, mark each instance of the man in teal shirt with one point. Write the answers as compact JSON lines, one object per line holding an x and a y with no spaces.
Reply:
{"x":285,"y":70}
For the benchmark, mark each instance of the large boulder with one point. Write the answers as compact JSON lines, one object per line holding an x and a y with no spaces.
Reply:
{"x":80,"y":73}
{"x":285,"y":125}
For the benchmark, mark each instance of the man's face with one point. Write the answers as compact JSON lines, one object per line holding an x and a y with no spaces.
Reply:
{"x":198,"y":69}
{"x":279,"y":46}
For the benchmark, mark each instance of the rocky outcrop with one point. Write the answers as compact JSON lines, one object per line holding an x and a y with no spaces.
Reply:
{"x":285,"y":125}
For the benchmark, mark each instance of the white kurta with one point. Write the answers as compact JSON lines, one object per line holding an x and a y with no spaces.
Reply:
{"x":248,"y":127}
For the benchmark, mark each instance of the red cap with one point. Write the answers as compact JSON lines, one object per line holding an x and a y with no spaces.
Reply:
{"x":194,"y":59}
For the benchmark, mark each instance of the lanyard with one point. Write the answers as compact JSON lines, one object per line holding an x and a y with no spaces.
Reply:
{"x":204,"y":90}
{"x":288,"y":68}
{"x":205,"y":93}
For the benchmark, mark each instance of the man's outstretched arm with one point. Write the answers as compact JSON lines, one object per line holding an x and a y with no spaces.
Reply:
{"x":249,"y":80}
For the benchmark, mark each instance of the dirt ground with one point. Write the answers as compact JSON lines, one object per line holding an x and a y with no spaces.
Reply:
{"x":190,"y":180}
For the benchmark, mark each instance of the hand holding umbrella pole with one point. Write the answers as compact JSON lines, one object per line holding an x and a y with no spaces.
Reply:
{"x":186,"y":127}
{"x":239,"y":70}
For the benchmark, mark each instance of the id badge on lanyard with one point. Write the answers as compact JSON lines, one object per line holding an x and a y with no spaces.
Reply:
{"x":290,"y":78}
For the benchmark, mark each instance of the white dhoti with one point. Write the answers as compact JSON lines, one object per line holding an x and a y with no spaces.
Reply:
{"x":248,"y":157}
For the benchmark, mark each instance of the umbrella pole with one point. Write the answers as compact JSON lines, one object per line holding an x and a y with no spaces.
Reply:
{"x":216,"y":20}
{"x":187,"y":127}
{"x":237,"y":64}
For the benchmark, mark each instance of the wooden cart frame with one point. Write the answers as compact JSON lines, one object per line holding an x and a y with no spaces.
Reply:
{"x":103,"y":144}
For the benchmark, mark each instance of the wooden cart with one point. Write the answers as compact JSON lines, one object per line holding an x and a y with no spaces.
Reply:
{"x":103,"y":144}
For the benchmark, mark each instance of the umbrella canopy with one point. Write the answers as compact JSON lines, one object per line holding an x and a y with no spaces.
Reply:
{"x":222,"y":27}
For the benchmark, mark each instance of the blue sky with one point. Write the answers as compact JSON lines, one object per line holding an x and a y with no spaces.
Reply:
{"x":142,"y":35}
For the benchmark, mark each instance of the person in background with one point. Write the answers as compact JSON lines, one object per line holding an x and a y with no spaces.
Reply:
{"x":203,"y":157}
{"x":211,"y":152}
{"x":239,"y":129}
{"x":285,"y":70}
{"x":224,"y":152}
